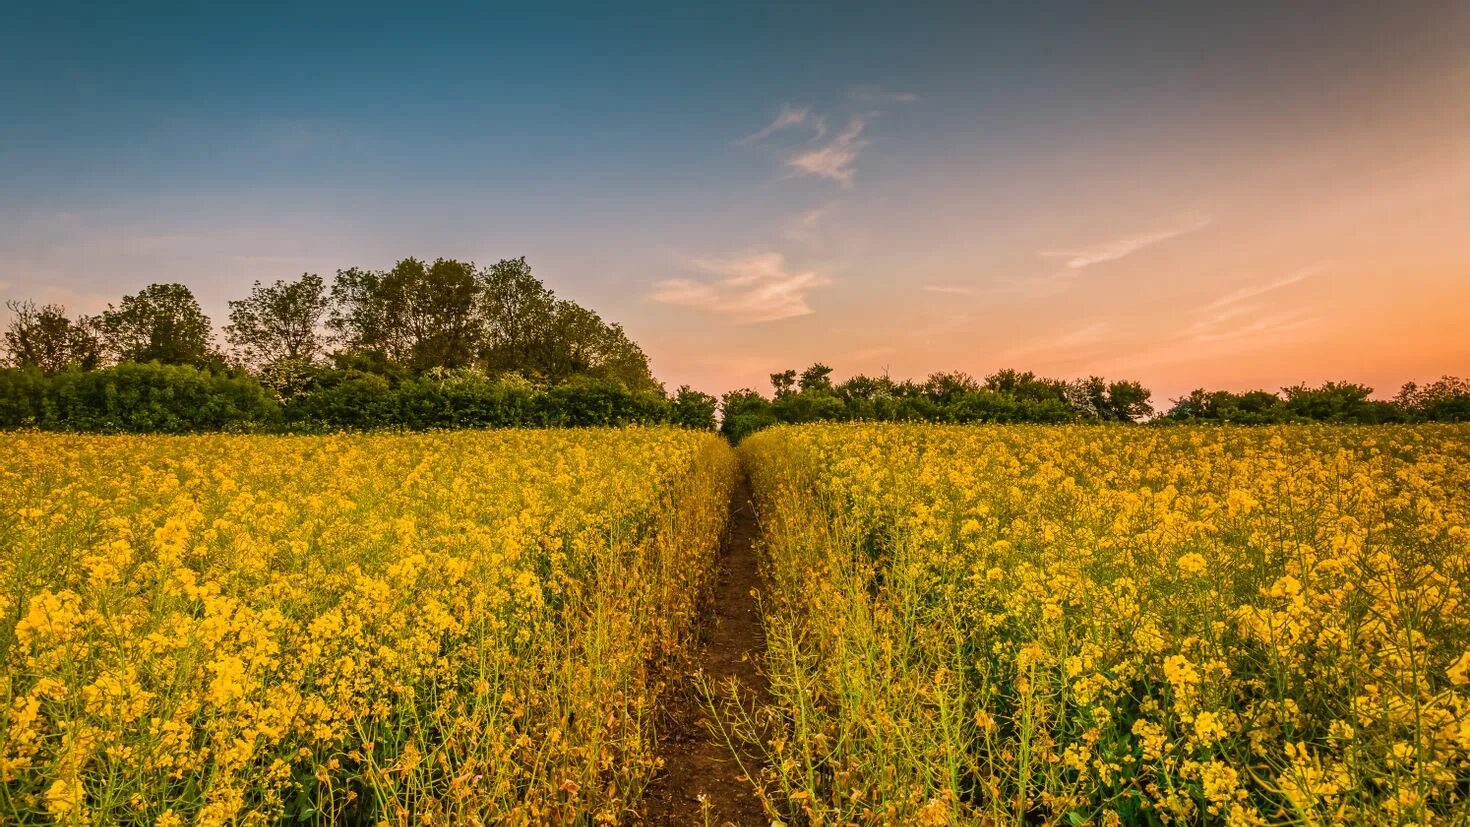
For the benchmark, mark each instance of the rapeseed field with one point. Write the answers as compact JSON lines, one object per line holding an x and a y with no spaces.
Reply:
{"x":466,"y":628}
{"x":1110,"y":625}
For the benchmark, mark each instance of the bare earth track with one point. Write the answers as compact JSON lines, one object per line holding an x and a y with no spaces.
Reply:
{"x":696,"y":760}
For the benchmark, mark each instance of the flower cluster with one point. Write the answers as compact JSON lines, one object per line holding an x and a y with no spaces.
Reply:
{"x":1117,"y":625}
{"x":468,"y":627}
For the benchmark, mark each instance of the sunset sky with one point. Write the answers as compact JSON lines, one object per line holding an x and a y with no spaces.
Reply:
{"x":1236,"y":195}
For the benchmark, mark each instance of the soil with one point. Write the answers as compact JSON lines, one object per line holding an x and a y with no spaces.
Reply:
{"x":697,"y":761}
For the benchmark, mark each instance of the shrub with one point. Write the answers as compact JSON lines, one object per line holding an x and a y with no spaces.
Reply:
{"x":692,"y":409}
{"x":351,"y":400}
{"x":599,"y":402}
{"x":22,"y":397}
{"x":136,"y":398}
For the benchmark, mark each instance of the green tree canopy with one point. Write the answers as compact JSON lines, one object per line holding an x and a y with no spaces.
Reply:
{"x":279,"y":322}
{"x":503,"y":319}
{"x":161,"y":323}
{"x":421,"y":316}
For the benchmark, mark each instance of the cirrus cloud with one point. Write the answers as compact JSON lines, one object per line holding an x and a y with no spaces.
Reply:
{"x":749,"y":289}
{"x":789,"y":116}
{"x":1129,"y":244}
{"x":836,"y":159}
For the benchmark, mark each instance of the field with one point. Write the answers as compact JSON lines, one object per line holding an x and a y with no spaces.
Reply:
{"x":362,"y":629}
{"x":982,"y":625}
{"x":1083,"y":625}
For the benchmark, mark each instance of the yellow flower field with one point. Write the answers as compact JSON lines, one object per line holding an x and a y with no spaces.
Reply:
{"x":467,"y":627}
{"x":1097,"y":625}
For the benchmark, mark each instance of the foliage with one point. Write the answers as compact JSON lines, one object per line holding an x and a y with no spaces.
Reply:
{"x":1447,"y":400}
{"x":420,"y":315}
{"x":693,"y":409}
{"x":449,"y":314}
{"x":42,"y":337}
{"x":518,"y":311}
{"x":344,"y":400}
{"x":1110,"y":401}
{"x":1005,"y":396}
{"x":744,"y":412}
{"x":1140,"y":626}
{"x":134,"y":398}
{"x":314,"y":399}
{"x":160,"y":323}
{"x":446,"y":628}
{"x":279,"y":323}
{"x":23,"y":397}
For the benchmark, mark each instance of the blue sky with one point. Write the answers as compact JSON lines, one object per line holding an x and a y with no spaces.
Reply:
{"x":1236,"y":194}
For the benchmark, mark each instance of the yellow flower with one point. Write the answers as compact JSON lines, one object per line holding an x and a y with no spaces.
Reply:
{"x":1192,"y":564}
{"x":1459,"y":671}
{"x":1208,"y":729}
{"x":63,"y":797}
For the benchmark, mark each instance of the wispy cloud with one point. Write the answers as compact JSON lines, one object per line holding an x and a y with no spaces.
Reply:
{"x":1235,"y":316}
{"x":949,"y":289}
{"x":1129,"y":244}
{"x":1260,"y":329}
{"x":789,"y":116}
{"x":836,"y":159}
{"x":1254,"y":290}
{"x":749,"y":289}
{"x":833,"y":158}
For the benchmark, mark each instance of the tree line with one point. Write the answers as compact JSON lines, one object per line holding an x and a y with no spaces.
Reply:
{"x":447,"y":344}
{"x":1444,"y":400}
{"x":1016,"y":396}
{"x":953,"y":397}
{"x":414,"y":317}
{"x":421,"y":344}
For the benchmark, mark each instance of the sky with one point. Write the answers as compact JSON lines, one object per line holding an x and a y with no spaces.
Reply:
{"x":1229,"y":195}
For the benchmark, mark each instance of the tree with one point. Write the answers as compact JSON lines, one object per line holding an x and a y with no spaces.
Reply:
{"x":421,"y":316}
{"x":1249,"y":408}
{"x":818,"y":377}
{"x":1127,"y":401}
{"x":862,"y":387}
{"x":743,"y":412}
{"x":1028,"y":386}
{"x":620,"y":358}
{"x":1447,"y":400}
{"x":503,"y":319}
{"x":1331,"y":402}
{"x":1121,"y":401}
{"x":279,"y":322}
{"x":576,"y":341}
{"x":42,"y":337}
{"x":944,"y":387}
{"x":693,"y":409}
{"x":783,"y":382}
{"x":162,"y":323}
{"x":518,"y":309}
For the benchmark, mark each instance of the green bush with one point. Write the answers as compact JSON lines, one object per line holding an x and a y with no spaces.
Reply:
{"x":344,"y":400}
{"x":692,"y":409}
{"x":600,"y":402}
{"x":22,"y":397}
{"x":136,"y":398}
{"x":465,"y":399}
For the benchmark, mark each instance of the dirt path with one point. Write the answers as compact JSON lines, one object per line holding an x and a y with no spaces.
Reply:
{"x":696,"y":761}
